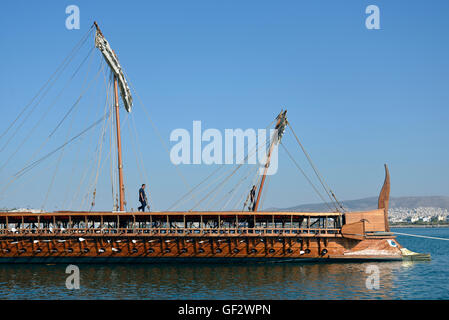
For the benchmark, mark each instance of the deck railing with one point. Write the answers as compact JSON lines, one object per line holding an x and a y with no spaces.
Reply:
{"x":172,"y":232}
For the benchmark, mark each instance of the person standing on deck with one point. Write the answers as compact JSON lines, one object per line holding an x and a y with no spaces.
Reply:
{"x":252,"y":195}
{"x":142,"y":198}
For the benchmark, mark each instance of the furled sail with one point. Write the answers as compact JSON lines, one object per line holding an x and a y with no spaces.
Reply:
{"x":112,"y":60}
{"x":280,"y":125}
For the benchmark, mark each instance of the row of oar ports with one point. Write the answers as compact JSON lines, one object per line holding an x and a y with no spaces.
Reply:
{"x":166,"y":250}
{"x":151,"y":250}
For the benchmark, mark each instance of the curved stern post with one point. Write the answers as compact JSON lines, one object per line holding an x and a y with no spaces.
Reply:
{"x":384,"y":197}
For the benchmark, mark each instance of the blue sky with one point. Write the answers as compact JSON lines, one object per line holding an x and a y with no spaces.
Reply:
{"x":357,"y":98}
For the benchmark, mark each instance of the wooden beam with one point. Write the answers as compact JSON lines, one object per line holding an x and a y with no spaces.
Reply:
{"x":119,"y":147}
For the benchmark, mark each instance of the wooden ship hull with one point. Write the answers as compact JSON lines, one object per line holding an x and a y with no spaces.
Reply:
{"x":135,"y":243}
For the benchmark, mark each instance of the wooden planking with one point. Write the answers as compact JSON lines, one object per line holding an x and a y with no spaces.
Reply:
{"x":374,"y":220}
{"x":355,"y":230}
{"x":205,"y":247}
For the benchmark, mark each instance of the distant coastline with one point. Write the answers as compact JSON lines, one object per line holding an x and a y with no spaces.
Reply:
{"x":419,"y":225}
{"x":370,"y":203}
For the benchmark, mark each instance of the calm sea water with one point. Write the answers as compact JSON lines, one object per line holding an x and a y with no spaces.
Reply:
{"x":398,"y":280}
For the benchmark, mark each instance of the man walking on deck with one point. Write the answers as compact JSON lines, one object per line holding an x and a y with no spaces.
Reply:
{"x":252,"y":195}
{"x":142,"y":198}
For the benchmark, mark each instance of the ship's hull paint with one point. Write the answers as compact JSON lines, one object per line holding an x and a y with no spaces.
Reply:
{"x":180,"y":260}
{"x":205,"y":250}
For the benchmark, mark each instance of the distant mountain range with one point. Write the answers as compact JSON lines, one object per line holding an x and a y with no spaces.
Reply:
{"x":371,"y":203}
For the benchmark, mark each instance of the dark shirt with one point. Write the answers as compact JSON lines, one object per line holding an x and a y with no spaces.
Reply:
{"x":253,"y":194}
{"x":142,"y":196}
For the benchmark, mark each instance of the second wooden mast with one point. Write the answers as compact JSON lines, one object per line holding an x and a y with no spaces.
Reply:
{"x":279,"y":131}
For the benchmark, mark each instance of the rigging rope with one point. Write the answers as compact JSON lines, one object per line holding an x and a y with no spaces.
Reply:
{"x":87,"y":152}
{"x":27,"y":168}
{"x":94,"y":175}
{"x":254,"y":182}
{"x":323,"y":183}
{"x":157,"y":131}
{"x":77,"y":153}
{"x":40,"y":121}
{"x":264,"y":192}
{"x":213,"y":173}
{"x":233,"y":191}
{"x":307,"y":178}
{"x":80,"y":96}
{"x":138,"y":165}
{"x":231,"y":174}
{"x":19,"y":173}
{"x":68,"y":131}
{"x":139,"y":157}
{"x":72,"y":173}
{"x":220,"y":186}
{"x":195,"y":187}
{"x":38,"y":102}
{"x":102,"y":136}
{"x":215,"y":189}
{"x":63,"y":63}
{"x":418,"y":236}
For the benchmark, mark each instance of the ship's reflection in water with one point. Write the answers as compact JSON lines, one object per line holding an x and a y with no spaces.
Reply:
{"x":169,"y":281}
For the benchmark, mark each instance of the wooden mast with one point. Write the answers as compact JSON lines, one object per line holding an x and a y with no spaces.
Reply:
{"x":119,"y":147}
{"x":115,"y":67}
{"x":259,"y":193}
{"x":280,"y":124}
